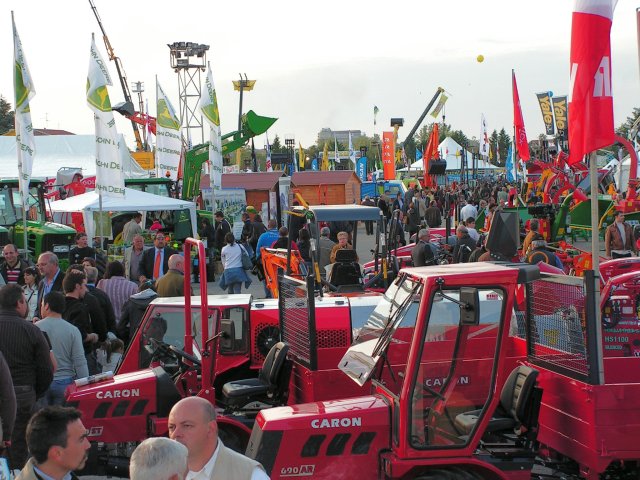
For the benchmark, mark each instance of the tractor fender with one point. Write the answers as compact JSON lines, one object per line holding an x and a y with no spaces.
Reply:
{"x":234,"y":434}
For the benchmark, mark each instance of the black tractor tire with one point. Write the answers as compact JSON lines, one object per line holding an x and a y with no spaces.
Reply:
{"x":451,"y":473}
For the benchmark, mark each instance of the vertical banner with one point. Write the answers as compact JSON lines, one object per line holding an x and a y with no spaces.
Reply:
{"x":24,"y":91}
{"x":268,"y":165}
{"x":560,"y":112}
{"x":484,"y":137}
{"x":301,"y":157}
{"x":109,"y":169}
{"x":314,"y":164}
{"x":522,"y":145}
{"x":544,"y":99}
{"x":168,"y":138}
{"x":361,"y":168}
{"x":388,"y":157}
{"x":336,"y":155}
{"x":352,"y":152}
{"x":209,"y":108}
{"x":590,"y":95}
{"x":324,"y":166}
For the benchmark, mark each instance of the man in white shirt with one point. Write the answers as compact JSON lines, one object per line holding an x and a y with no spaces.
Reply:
{"x":469,"y":210}
{"x":192,"y":422}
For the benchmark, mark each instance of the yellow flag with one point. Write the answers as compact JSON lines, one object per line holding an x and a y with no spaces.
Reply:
{"x":325,"y":158}
{"x":301,"y":157}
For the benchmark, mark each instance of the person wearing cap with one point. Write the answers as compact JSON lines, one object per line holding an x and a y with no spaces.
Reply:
{"x":325,"y":247}
{"x":619,"y":235}
{"x":540,"y":253}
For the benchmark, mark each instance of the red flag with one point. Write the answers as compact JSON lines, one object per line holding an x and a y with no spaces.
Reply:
{"x":522,"y":146}
{"x":590,"y":97}
{"x":431,"y":152}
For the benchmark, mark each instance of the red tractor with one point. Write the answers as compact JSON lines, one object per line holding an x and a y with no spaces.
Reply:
{"x":225,"y":340}
{"x":477,"y":371}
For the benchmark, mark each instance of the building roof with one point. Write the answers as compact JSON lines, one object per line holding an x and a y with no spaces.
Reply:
{"x":334,"y":177}
{"x":41,"y":132}
{"x":251,"y":181}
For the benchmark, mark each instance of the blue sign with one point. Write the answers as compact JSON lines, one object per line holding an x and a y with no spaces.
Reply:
{"x":361,"y":168}
{"x":314,"y":164}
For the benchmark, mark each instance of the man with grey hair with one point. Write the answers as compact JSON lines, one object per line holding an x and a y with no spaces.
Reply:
{"x":172,"y":283}
{"x":464,"y":245}
{"x":51,"y":278}
{"x":422,"y":254}
{"x":159,"y":458}
{"x":539,"y":252}
{"x":325,"y":246}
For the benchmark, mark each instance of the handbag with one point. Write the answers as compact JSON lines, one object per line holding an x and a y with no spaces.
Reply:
{"x":247,"y":264}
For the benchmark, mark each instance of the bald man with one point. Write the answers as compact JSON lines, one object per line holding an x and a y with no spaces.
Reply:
{"x":192,"y":422}
{"x":171,"y":284}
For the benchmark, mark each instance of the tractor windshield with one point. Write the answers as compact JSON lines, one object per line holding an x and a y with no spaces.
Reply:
{"x":397,"y":309}
{"x":11,"y":210}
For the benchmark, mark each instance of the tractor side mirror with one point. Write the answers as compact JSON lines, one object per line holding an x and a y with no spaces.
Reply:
{"x":228,"y":335}
{"x":470,"y":308}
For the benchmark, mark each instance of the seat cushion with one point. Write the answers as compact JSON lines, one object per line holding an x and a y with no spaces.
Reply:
{"x":244,"y":388}
{"x":465,"y":422}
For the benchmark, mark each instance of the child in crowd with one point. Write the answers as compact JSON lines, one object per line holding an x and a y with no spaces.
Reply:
{"x":110,"y":353}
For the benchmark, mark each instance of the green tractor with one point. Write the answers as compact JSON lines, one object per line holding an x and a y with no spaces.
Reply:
{"x":42,"y":236}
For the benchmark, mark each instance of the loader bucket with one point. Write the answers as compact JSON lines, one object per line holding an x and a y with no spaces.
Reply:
{"x":257,"y":125}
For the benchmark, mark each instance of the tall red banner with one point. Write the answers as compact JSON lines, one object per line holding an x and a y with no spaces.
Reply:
{"x":522,"y":145}
{"x":590,"y":96}
{"x":388,"y":157}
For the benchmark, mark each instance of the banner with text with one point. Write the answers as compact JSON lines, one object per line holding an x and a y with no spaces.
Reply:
{"x":544,"y":99}
{"x":24,"y":92}
{"x":388,"y":157}
{"x":168,"y":138}
{"x":209,"y":108}
{"x":560,"y":112}
{"x":361,"y":169}
{"x":109,"y":169}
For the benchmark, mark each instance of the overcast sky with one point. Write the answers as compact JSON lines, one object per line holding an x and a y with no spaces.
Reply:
{"x":318,"y":64}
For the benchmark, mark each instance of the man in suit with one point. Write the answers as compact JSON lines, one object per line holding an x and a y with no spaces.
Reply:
{"x":152,"y":267}
{"x":51,"y":278}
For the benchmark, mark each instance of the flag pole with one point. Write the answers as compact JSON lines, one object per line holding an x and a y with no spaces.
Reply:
{"x":595,"y":253}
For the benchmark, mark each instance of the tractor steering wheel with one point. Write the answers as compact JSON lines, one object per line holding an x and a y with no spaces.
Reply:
{"x":185,"y":355}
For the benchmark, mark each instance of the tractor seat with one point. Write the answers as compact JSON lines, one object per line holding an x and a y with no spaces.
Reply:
{"x":346,"y":270}
{"x":511,"y":412}
{"x":241,"y":392}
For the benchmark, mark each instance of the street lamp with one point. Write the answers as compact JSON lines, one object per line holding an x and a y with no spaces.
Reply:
{"x":240,"y":86}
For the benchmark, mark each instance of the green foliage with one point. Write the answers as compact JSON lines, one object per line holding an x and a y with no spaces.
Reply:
{"x":504,"y":141}
{"x":6,"y":116}
{"x":623,"y":130}
{"x":276,"y":146}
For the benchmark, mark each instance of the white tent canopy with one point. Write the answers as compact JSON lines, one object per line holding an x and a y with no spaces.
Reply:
{"x":56,"y":151}
{"x":133,"y":200}
{"x":449,"y":149}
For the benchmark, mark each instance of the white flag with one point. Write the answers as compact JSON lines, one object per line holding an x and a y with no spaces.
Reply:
{"x":336,"y":156}
{"x":484,"y":137}
{"x":109,"y":169}
{"x":168,"y":138}
{"x":24,"y":92}
{"x":209,"y":108}
{"x":352,"y":152}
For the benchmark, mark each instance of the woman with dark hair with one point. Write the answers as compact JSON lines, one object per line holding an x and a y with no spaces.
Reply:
{"x":30,"y":287}
{"x":304,"y":245}
{"x":231,"y":257}
{"x":258,"y":229}
{"x":117,"y":287}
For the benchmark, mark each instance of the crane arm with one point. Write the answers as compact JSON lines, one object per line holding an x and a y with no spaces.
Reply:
{"x":424,"y":114}
{"x":121,"y":73}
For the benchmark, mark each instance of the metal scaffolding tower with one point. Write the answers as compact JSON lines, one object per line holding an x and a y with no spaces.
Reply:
{"x":189,"y":61}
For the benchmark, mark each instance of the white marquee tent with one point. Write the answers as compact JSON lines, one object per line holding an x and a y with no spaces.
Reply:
{"x":56,"y":151}
{"x":448,"y":149}
{"x":133,"y":200}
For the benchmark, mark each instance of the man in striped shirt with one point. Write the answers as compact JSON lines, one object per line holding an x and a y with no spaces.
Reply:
{"x":12,"y":269}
